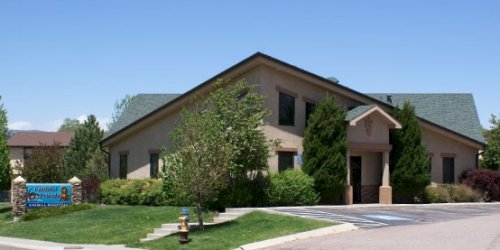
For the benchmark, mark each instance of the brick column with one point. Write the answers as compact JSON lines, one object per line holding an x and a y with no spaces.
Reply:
{"x":19,"y":196}
{"x":76,"y":190}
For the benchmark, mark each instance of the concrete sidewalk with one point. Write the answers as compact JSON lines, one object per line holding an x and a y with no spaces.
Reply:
{"x":8,"y":243}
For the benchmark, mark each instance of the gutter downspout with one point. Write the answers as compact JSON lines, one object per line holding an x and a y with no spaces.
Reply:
{"x":109,"y":159}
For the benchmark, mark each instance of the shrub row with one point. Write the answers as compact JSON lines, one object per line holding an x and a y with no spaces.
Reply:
{"x":485,"y":181}
{"x":54,"y":211}
{"x":451,"y":193}
{"x":291,"y":187}
{"x":132,"y":192}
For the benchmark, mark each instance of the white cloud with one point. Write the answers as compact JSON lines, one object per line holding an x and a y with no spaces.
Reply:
{"x":82,"y":118}
{"x":103,"y":121}
{"x":20,"y":125}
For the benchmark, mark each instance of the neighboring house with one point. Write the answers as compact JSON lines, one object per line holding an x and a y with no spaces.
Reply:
{"x":450,"y":124}
{"x":21,"y":145}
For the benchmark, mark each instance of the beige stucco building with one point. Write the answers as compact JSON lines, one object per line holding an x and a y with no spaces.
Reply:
{"x":22,"y":143}
{"x":451,"y":130}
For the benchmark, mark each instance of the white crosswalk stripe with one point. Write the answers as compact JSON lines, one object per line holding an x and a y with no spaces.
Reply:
{"x":328,"y":216}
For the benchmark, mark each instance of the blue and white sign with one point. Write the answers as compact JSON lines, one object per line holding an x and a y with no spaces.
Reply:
{"x":48,"y":195}
{"x":299,"y":159}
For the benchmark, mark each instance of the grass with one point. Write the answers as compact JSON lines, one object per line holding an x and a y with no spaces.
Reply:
{"x":101,"y":225}
{"x":5,"y":213}
{"x":255,"y":226}
{"x":128,"y":224}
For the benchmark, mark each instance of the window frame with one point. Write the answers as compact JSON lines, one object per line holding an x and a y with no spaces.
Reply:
{"x":282,"y":168}
{"x":290,"y":112}
{"x":308,"y":113}
{"x":123,"y":165}
{"x":153,"y":173}
{"x":448,"y":175}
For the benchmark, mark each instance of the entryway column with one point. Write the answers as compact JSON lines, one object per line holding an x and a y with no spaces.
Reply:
{"x":348,"y":190}
{"x":385,"y":191}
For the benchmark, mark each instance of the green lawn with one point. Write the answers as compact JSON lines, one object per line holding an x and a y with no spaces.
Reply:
{"x":128,"y":224}
{"x":252,"y":227}
{"x":102,"y":225}
{"x":5,"y":213}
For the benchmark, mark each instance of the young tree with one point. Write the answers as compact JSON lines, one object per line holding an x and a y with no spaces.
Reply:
{"x":82,"y":148}
{"x":491,"y":157}
{"x":218,"y":140}
{"x":44,"y":165}
{"x":120,"y":106}
{"x":5,"y":169}
{"x":325,"y":147}
{"x":69,"y":125}
{"x":409,"y":160}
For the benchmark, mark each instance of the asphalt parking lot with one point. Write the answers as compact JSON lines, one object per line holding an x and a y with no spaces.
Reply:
{"x":384,"y":216}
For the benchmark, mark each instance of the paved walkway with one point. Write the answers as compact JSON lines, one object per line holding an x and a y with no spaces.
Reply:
{"x":8,"y":243}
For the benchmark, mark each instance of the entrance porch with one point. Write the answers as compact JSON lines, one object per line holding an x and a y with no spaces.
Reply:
{"x":368,"y":176}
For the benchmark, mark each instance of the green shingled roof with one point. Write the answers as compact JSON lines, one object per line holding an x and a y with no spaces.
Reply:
{"x":357,"y":111}
{"x":141,"y":105}
{"x":456,"y":112}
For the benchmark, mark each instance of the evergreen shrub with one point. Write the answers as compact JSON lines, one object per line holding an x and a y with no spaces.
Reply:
{"x":132,"y":192}
{"x":292,"y":187}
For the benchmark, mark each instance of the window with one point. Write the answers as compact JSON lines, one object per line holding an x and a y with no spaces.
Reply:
{"x":153,"y":164}
{"x":309,"y":110}
{"x":27,"y":153}
{"x":285,"y":161}
{"x":286,"y":110}
{"x":448,"y":170}
{"x":123,"y":166}
{"x":429,"y":166}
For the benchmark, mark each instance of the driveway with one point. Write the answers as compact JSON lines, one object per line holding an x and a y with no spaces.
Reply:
{"x":413,"y":227}
{"x":367,"y":216}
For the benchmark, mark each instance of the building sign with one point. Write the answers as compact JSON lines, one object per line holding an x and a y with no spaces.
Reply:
{"x":47,"y":195}
{"x":299,"y":159}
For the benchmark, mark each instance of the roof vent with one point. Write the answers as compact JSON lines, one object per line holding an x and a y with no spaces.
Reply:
{"x":333,"y":79}
{"x":389,"y":98}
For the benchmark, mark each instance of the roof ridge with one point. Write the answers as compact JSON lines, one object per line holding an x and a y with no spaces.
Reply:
{"x":392,"y":93}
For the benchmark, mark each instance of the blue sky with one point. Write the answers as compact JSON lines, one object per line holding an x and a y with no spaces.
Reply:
{"x":63,"y":59}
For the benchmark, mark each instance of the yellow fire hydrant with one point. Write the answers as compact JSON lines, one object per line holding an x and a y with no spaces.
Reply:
{"x":184,"y":226}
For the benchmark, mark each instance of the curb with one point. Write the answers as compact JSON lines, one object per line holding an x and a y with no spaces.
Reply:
{"x":376,"y":205}
{"x":26,"y":244}
{"x":298,"y":236}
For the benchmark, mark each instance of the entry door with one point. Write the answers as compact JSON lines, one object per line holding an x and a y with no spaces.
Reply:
{"x":356,"y":178}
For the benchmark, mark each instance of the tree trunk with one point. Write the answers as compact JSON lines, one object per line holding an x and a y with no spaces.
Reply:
{"x":200,"y":214}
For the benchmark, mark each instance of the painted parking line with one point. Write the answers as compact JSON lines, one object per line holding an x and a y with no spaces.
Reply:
{"x":327,"y":216}
{"x":387,"y":217}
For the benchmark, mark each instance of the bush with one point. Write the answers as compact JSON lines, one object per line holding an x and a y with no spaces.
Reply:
{"x":37,"y":213}
{"x":436,"y":195}
{"x":292,"y":187}
{"x":132,"y":192}
{"x":243,"y":192}
{"x":90,"y":190}
{"x":450,"y":193}
{"x":485,"y":181}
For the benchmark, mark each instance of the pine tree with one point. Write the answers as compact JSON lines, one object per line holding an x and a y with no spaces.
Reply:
{"x":5,"y":170}
{"x":325,"y":147}
{"x":491,"y":156}
{"x":82,"y":147}
{"x":409,"y":160}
